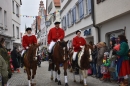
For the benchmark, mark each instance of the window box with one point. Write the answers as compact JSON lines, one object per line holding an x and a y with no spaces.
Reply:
{"x":78,"y":21}
{"x":86,"y":16}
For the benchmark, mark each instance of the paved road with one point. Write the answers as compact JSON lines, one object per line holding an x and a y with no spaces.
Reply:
{"x":43,"y":79}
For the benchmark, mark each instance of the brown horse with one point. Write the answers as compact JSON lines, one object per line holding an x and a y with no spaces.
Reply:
{"x":84,"y":58}
{"x":30,"y":62}
{"x":60,"y":56}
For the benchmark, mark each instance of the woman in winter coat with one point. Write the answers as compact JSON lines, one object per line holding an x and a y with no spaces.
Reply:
{"x":3,"y":72}
{"x":113,"y":59}
{"x":102,"y":50}
{"x":94,"y":60}
{"x":14,"y":56}
{"x":4,"y":54}
{"x":123,"y":66}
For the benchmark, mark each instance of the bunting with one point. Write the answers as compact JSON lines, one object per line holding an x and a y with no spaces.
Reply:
{"x":27,"y":16}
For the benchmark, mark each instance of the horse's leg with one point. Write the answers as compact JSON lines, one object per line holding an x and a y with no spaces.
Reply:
{"x":29,"y":76}
{"x":74,"y":76}
{"x":51,"y":67}
{"x":58,"y":69}
{"x":65,"y":73}
{"x":34,"y":75}
{"x":85,"y":77}
{"x":56,"y":80}
{"x":80,"y":76}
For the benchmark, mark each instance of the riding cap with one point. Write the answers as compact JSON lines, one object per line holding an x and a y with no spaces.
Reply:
{"x":57,"y":23}
{"x":28,"y":29}
{"x":78,"y":31}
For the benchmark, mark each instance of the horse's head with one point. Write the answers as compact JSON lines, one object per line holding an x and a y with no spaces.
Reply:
{"x":32,"y":51}
{"x":63,"y":48}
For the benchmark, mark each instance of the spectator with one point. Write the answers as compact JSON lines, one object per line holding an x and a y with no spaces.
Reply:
{"x":94,"y":60}
{"x":101,"y":52}
{"x":14,"y":56}
{"x":123,"y":66}
{"x":4,"y":54}
{"x":3,"y":72}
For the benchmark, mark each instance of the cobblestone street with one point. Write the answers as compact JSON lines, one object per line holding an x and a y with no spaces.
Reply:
{"x":43,"y":79}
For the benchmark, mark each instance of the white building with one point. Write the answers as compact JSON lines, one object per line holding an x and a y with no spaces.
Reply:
{"x":53,"y":14}
{"x":76,"y":15}
{"x":16,"y":22}
{"x":6,"y":27}
{"x":111,"y":16}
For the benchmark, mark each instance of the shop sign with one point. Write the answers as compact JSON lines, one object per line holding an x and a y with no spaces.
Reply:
{"x":87,"y":32}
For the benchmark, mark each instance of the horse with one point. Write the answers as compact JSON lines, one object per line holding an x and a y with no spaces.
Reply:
{"x":70,"y":54}
{"x":30,"y":62}
{"x":59,"y":56}
{"x":83,"y":60}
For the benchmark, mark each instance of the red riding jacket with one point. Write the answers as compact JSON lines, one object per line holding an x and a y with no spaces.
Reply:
{"x":77,"y":42}
{"x":55,"y":34}
{"x":28,"y":40}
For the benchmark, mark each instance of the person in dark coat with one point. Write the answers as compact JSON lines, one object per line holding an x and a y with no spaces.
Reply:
{"x":94,"y":60}
{"x":14,"y":56}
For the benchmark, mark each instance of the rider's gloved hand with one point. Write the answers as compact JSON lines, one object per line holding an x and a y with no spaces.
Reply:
{"x":58,"y":40}
{"x":81,"y":46}
{"x":27,"y":48}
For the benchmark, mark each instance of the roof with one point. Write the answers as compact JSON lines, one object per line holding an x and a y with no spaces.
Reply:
{"x":57,"y":3}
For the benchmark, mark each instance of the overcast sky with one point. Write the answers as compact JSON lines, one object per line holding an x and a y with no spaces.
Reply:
{"x":30,"y":8}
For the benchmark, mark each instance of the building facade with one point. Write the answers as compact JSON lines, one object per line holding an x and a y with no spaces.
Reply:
{"x":53,"y":12}
{"x":6,"y":27}
{"x":112,"y":16}
{"x":76,"y":15}
{"x":16,"y":22}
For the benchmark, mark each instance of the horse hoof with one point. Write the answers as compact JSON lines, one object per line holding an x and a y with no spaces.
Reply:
{"x":56,"y":80}
{"x":81,"y":82}
{"x":51,"y":78}
{"x":66,"y":84}
{"x":74,"y":80}
{"x":59,"y":82}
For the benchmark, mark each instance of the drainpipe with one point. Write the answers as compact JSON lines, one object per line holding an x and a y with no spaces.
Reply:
{"x":93,"y":19}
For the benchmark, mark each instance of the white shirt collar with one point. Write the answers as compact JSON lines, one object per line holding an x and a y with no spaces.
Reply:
{"x":29,"y":34}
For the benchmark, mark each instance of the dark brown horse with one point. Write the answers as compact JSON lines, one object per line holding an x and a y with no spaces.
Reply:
{"x":60,"y":56}
{"x":84,"y":58}
{"x":30,"y":63}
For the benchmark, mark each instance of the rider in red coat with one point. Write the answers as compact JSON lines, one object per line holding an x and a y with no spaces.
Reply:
{"x":55,"y":34}
{"x":78,"y":43}
{"x":28,"y":39}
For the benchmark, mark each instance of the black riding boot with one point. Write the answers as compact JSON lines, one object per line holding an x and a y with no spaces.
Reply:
{"x":49,"y":57}
{"x":75,"y":67}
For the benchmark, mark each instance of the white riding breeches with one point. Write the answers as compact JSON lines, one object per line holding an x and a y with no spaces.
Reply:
{"x":51,"y":46}
{"x":74,"y":55}
{"x":23,"y":52}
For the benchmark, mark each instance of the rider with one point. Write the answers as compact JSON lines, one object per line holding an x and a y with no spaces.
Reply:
{"x":55,"y":34}
{"x":78,"y":43}
{"x":28,"y":39}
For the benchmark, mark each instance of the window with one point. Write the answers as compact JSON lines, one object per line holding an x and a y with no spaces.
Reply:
{"x":1,"y":17}
{"x":17,"y":10}
{"x":50,"y":7}
{"x":17,"y":32}
{"x":54,"y":17}
{"x":13,"y":6}
{"x":89,"y":6}
{"x":13,"y":31}
{"x":64,"y":23}
{"x":5,"y":19}
{"x":50,"y":20}
{"x":68,"y":19}
{"x":81,"y":9}
{"x":74,"y":14}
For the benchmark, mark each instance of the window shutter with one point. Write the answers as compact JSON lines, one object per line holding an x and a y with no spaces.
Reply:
{"x":65,"y":22}
{"x":68,"y":19}
{"x":89,"y":6}
{"x":74,"y":14}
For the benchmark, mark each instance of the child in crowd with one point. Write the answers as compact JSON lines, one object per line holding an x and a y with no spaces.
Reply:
{"x":105,"y":66}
